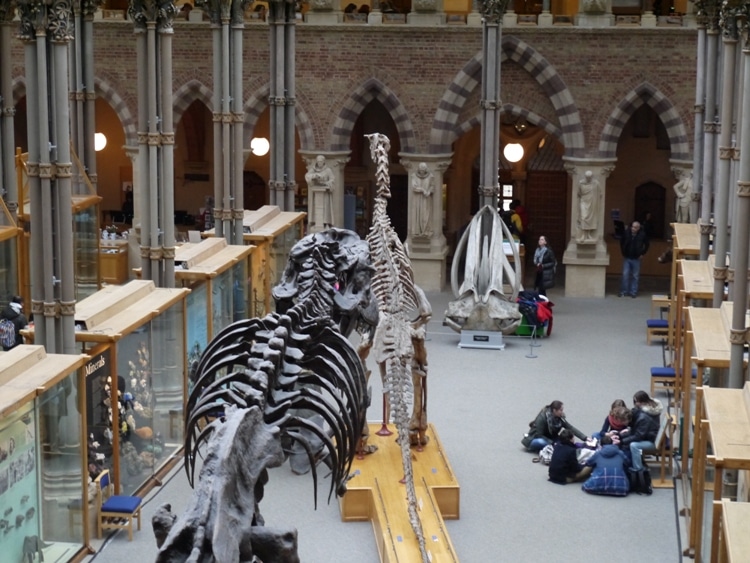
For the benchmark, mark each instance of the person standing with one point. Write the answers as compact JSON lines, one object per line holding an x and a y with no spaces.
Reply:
{"x":545,"y":263}
{"x":633,"y":244}
{"x":14,"y":313}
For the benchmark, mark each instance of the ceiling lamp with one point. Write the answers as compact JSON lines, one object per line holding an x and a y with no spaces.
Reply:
{"x":260,"y":146}
{"x":100,"y":141}
{"x":513,"y":152}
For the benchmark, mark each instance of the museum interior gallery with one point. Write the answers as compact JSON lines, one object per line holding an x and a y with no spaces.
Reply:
{"x":203,"y":204}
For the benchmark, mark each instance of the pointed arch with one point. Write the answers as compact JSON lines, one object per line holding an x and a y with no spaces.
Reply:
{"x":105,"y":91}
{"x":186,"y":94}
{"x":257,"y":103}
{"x":372,"y":89}
{"x":513,"y":109}
{"x":445,"y":129}
{"x":645,"y":93}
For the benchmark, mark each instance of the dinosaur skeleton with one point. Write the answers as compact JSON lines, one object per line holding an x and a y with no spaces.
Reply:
{"x":396,"y":295}
{"x":254,"y":386}
{"x":481,"y":302}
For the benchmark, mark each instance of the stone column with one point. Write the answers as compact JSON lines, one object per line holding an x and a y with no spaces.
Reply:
{"x":738,"y":336}
{"x":7,"y":110}
{"x":699,"y":110}
{"x":134,"y":237}
{"x":336,"y":160}
{"x":586,"y":257}
{"x":726,"y":152}
{"x":427,"y":249}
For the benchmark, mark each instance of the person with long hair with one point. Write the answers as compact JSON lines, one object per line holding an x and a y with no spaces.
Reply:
{"x":546,"y":427}
{"x":545,"y":264}
{"x":644,"y":426}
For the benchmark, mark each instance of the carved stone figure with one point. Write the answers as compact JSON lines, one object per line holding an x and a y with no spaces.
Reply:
{"x":588,"y":208}
{"x":255,"y":384}
{"x":683,"y":193}
{"x":423,"y":186}
{"x":481,"y":302}
{"x":320,"y":181}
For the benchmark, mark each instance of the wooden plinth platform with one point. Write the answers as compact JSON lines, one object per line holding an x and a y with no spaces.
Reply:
{"x":375,"y":494}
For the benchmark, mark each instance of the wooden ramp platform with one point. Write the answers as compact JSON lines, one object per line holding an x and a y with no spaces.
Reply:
{"x":376,"y":494}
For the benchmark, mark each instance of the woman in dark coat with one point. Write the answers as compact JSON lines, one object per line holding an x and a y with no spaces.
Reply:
{"x":546,"y":427}
{"x":545,"y":264}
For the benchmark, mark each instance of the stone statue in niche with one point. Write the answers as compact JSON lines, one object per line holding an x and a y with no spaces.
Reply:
{"x":320,"y":182}
{"x":683,"y":193}
{"x":423,"y":186}
{"x":588,"y":208}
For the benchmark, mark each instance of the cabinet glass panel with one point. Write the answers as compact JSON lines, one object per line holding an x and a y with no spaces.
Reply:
{"x":86,"y":251}
{"x":168,"y":382}
{"x":222,"y":300}
{"x":8,"y":270}
{"x":60,"y":468}
{"x":140,"y":446}
{"x":197,"y":327}
{"x":241,"y":291}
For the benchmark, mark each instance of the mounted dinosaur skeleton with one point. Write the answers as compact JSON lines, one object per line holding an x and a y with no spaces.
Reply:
{"x":255,"y":386}
{"x":394,"y":337}
{"x":483,"y":280}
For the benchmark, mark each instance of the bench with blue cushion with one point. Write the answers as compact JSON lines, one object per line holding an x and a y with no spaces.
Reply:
{"x":664,"y":377}
{"x":656,"y":327}
{"x":115,"y":511}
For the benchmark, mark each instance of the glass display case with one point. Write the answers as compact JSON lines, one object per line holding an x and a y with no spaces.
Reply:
{"x":273,"y":232}
{"x":42,"y":469}
{"x":136,"y":379}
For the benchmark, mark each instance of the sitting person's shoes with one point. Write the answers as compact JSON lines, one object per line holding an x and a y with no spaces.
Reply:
{"x":633,"y":295}
{"x":620,"y":294}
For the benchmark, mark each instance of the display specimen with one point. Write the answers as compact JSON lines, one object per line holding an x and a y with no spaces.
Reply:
{"x":255,"y":387}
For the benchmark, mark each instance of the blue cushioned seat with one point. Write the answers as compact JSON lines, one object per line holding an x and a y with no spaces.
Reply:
{"x":657,"y":323}
{"x":118,"y":503}
{"x":116,"y":512}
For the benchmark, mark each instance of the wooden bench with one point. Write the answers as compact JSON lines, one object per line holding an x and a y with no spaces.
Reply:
{"x":665,"y":378}
{"x":663,"y":452}
{"x":656,"y":328}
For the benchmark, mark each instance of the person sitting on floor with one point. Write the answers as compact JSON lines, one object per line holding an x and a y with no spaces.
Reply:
{"x":608,"y":476}
{"x":618,"y":419}
{"x":564,"y":467}
{"x":546,"y":427}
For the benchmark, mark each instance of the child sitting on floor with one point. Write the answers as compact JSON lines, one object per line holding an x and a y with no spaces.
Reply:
{"x":608,"y":476}
{"x":564,"y":467}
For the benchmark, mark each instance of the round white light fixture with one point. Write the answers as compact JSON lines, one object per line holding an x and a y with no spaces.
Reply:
{"x":260,"y":146}
{"x":100,"y":141}
{"x":513,"y":152}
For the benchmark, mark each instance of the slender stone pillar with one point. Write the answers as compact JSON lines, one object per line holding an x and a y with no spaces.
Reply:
{"x":710,"y":127}
{"x":155,"y":171}
{"x":586,"y":257}
{"x":700,"y":93}
{"x":741,"y":230}
{"x":426,"y":12}
{"x":726,"y":152}
{"x":7,"y":110}
{"x":427,"y":245}
{"x":282,"y":21}
{"x":491,"y":104}
{"x":46,"y":30}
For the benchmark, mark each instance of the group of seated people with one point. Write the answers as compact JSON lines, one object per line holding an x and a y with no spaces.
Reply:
{"x":609,"y":462}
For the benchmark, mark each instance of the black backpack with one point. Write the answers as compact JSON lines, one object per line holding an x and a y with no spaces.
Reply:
{"x":640,"y":482}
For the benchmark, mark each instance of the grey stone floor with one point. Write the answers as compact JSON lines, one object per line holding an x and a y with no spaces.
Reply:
{"x":480,"y":402}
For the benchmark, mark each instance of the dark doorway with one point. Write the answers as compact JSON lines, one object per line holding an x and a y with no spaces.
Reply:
{"x":649,"y":199}
{"x":254,"y":191}
{"x":398,"y":206}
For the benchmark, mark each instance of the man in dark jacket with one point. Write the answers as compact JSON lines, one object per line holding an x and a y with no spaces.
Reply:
{"x":14,"y":313}
{"x":633,"y":244}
